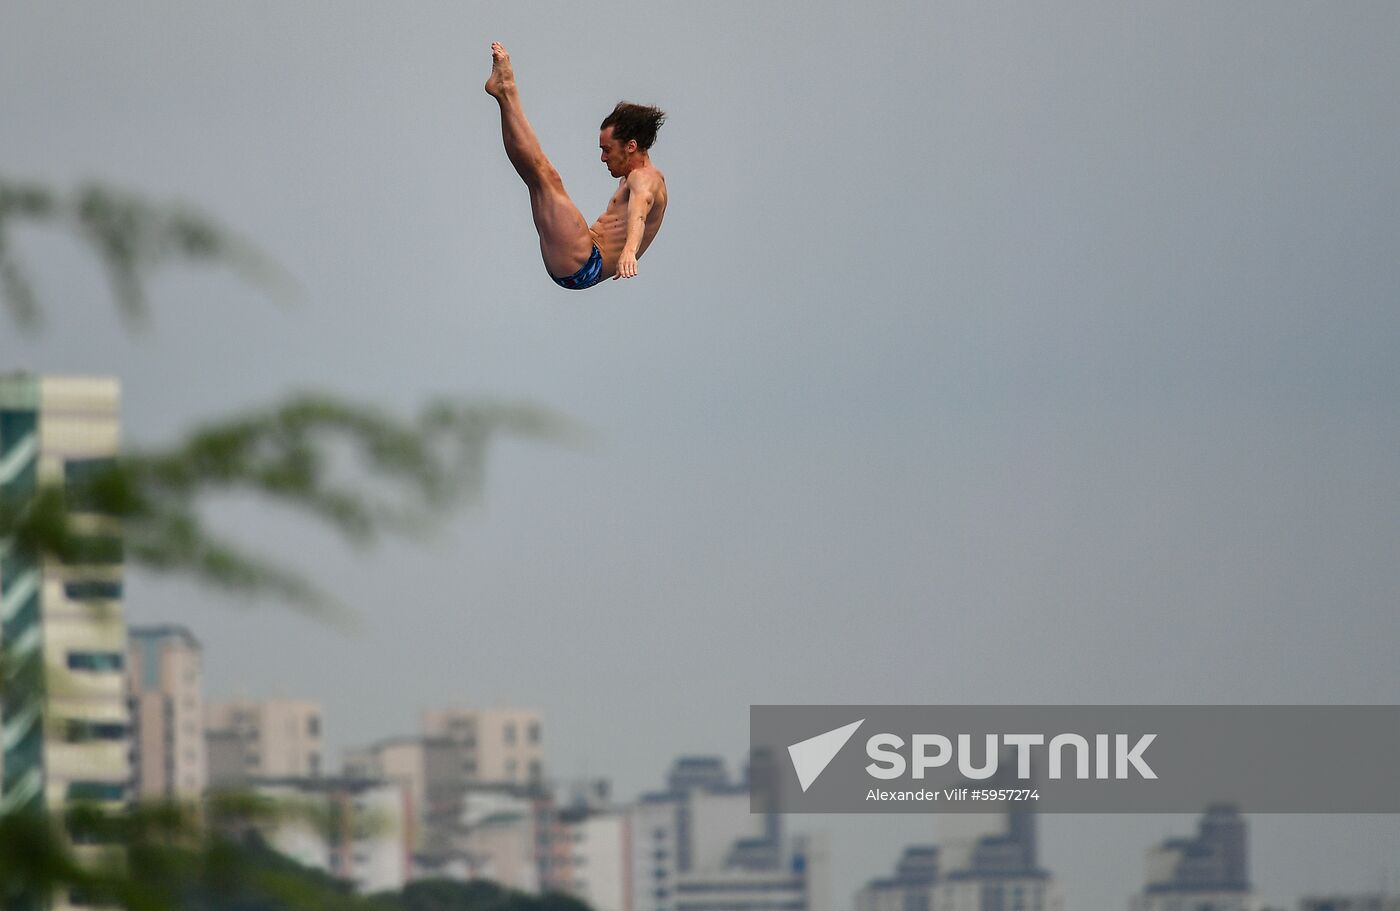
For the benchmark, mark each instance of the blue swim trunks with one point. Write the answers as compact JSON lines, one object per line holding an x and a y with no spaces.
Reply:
{"x":586,"y":277}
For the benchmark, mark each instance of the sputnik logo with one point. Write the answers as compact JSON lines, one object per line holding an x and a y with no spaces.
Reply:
{"x":810,"y":757}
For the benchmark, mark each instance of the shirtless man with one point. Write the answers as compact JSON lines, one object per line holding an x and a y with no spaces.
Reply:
{"x":578,"y":256}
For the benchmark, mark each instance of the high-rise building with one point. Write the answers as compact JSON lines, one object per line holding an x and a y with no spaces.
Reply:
{"x":66,"y":734}
{"x":270,"y":739}
{"x":166,"y":681}
{"x":687,"y":828}
{"x":1209,"y":872}
{"x":697,"y":847}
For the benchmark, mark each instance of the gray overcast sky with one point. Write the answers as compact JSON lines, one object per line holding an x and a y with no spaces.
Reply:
{"x":990,"y":353}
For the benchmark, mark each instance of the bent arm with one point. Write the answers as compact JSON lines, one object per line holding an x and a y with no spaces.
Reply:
{"x":641,"y":196}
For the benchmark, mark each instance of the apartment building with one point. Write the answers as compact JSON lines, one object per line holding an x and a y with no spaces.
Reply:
{"x":165,"y":678}
{"x":66,"y":733}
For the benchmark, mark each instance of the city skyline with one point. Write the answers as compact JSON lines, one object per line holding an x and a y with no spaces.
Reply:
{"x":1216,"y":865}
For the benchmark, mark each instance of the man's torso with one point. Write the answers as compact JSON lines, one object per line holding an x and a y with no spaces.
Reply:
{"x":610,"y":230}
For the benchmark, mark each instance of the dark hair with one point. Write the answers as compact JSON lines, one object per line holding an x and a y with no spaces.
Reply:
{"x":634,"y":121}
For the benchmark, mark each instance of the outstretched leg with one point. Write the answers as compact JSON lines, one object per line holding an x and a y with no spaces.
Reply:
{"x":564,"y":238}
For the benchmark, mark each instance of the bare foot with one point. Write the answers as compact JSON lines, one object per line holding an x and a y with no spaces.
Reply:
{"x":502,"y":78}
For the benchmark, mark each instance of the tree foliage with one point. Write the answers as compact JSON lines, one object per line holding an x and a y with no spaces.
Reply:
{"x":169,"y":862}
{"x":359,"y":471}
{"x":160,"y":857}
{"x":477,"y":895}
{"x":128,"y":235}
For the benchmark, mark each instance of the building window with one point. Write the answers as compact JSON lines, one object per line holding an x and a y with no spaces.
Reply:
{"x":510,"y":769}
{"x":77,"y":730}
{"x":92,"y":591}
{"x":96,"y":790}
{"x":94,"y":661}
{"x":313,"y":726}
{"x":510,"y":733}
{"x":532,"y":733}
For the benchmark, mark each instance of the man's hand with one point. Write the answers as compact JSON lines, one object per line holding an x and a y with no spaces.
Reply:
{"x":626,"y":266}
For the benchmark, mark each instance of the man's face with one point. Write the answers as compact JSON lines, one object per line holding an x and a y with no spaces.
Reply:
{"x":615,"y":153}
